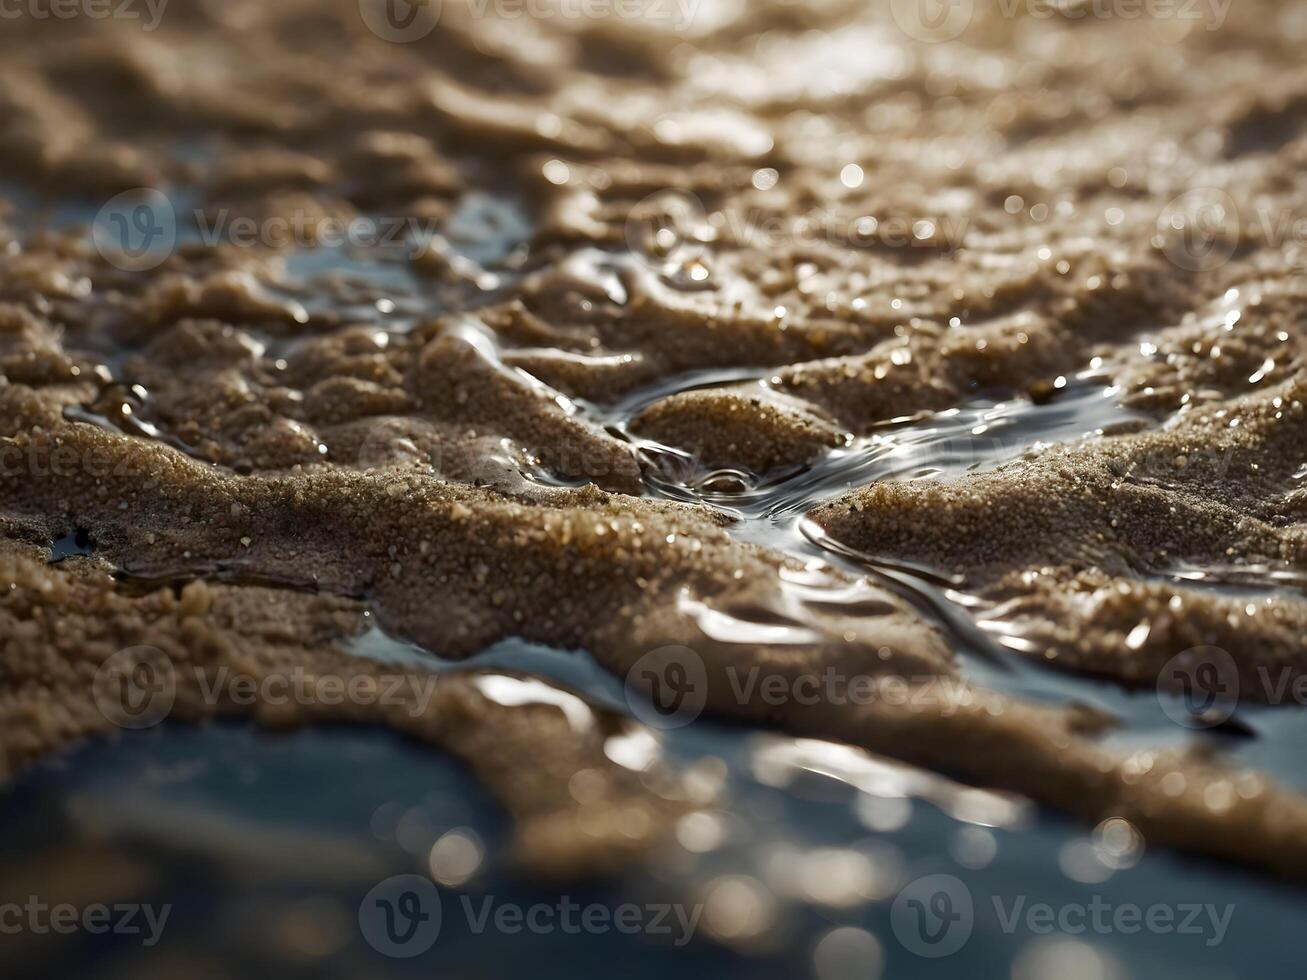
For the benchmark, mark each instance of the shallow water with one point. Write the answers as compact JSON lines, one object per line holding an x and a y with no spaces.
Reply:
{"x":265,"y":863}
{"x":980,"y":435}
{"x":810,"y":838}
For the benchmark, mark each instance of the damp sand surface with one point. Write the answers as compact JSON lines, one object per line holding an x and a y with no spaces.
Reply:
{"x":655,"y":373}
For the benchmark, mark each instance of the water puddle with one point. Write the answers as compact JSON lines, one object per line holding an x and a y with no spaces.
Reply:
{"x":980,"y":435}
{"x":488,"y":229}
{"x":368,"y":270}
{"x":1253,"y":581}
{"x":574,"y":670}
{"x":769,"y":510}
{"x":482,"y":245}
{"x":350,"y":286}
{"x":75,"y":544}
{"x":127,"y":419}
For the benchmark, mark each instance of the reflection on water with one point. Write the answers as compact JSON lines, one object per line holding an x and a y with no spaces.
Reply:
{"x":977,"y":436}
{"x":768,"y":510}
{"x":265,"y":845}
{"x":779,"y":761}
{"x":512,"y":692}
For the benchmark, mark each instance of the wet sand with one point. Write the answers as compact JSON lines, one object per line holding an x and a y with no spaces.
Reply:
{"x":709,"y":260}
